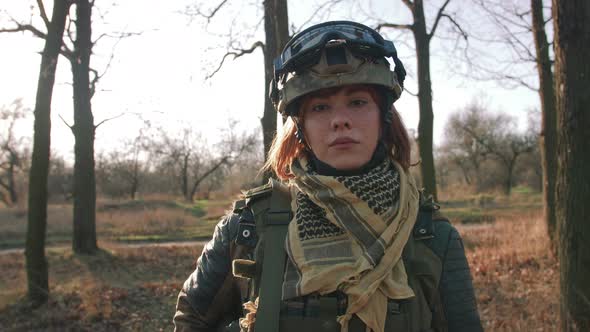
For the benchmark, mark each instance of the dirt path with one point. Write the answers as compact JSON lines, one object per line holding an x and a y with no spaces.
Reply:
{"x":185,"y":243}
{"x":116,"y":245}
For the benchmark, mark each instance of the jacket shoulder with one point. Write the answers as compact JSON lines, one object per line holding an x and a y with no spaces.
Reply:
{"x":433,"y":227}
{"x":258,"y":192}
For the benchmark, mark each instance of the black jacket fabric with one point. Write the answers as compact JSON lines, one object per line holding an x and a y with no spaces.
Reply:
{"x":198,"y":301}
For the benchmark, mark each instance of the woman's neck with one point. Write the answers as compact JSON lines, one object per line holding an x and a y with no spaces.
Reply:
{"x":324,"y":169}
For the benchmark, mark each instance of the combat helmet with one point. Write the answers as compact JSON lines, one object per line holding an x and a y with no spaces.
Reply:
{"x":333,"y":54}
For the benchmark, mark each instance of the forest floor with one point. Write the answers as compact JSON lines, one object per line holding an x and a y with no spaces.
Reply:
{"x":134,"y":287}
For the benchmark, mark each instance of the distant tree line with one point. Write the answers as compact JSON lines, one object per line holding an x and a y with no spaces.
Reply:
{"x":481,"y":150}
{"x":156,"y":161}
{"x":486,"y":151}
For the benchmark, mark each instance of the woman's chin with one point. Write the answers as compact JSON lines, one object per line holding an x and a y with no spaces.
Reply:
{"x":346,"y":165}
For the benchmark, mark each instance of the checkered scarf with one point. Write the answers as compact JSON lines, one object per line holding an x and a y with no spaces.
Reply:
{"x":347,"y":234}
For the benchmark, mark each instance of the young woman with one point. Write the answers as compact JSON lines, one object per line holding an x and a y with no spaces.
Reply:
{"x":346,"y":242}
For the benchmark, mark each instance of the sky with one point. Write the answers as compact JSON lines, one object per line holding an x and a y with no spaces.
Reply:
{"x":159,"y":72}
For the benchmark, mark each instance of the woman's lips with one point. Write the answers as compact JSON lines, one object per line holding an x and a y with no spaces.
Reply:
{"x":343,"y":142}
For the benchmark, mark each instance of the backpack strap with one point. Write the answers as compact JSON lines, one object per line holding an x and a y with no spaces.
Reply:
{"x":275,"y":225}
{"x":433,"y":230}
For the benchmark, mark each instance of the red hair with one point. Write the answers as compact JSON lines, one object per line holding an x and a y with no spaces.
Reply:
{"x":286,"y":147}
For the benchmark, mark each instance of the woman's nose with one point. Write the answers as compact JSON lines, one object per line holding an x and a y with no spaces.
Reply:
{"x":340,"y":119}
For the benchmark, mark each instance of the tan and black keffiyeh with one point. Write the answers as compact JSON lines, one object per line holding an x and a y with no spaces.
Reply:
{"x":347,"y":234}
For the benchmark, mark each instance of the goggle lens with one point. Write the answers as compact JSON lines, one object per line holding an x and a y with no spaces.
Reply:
{"x":305,"y":47}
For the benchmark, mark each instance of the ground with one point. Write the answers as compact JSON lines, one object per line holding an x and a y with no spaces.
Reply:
{"x":134,"y":287}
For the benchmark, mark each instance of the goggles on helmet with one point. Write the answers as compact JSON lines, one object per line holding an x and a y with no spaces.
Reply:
{"x":305,"y":47}
{"x":334,"y":54}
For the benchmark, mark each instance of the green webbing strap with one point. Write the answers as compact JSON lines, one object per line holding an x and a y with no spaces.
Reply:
{"x":273,"y":263}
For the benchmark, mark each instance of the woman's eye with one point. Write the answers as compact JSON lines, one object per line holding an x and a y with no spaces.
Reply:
{"x":319,"y":107}
{"x":358,"y":102}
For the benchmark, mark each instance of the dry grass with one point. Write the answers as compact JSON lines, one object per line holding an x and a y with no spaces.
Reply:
{"x":124,"y":288}
{"x":153,"y":219}
{"x":515,"y":276}
{"x":118,"y":289}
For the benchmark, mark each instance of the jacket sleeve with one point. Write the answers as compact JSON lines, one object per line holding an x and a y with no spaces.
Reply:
{"x":456,"y":287}
{"x":203,"y":300}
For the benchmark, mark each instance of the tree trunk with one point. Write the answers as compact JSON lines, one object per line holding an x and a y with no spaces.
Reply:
{"x":184,"y":178}
{"x":276,"y":28}
{"x":549,"y":119}
{"x":510,"y":176}
{"x":425,"y":125}
{"x":464,"y":171}
{"x":11,"y":180}
{"x":36,"y":263}
{"x":84,"y":240}
{"x":134,"y":177}
{"x":572,"y":75}
{"x":200,"y":179}
{"x":477,"y":176}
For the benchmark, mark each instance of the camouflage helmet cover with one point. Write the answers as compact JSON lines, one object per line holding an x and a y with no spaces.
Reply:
{"x":356,"y":70}
{"x":333,"y":54}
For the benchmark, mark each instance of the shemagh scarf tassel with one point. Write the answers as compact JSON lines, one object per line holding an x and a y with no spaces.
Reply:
{"x":348,"y":234}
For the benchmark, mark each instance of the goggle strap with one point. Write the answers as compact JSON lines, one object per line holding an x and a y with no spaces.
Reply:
{"x":399,"y":70}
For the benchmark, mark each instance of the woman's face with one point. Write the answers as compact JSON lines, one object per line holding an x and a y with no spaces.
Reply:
{"x":343,"y":127}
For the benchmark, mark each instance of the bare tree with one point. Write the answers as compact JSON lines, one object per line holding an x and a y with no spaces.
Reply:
{"x":494,"y":135}
{"x":36,"y":263}
{"x":461,"y":147}
{"x":193,"y":161}
{"x":422,"y":38}
{"x":121,"y":172}
{"x":548,"y":134}
{"x":572,"y":76}
{"x":276,"y":28}
{"x":134,"y":163}
{"x":531,"y":167}
{"x":118,"y":174}
{"x":60,"y":182}
{"x":177,"y":153}
{"x":84,"y":237}
{"x":213,"y":182}
{"x":11,"y":150}
{"x":521,"y":30}
{"x":84,"y":129}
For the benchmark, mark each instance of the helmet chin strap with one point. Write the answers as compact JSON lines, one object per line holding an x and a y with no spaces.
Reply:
{"x":301,"y":136}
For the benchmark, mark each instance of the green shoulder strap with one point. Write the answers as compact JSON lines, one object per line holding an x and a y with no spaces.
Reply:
{"x":276,"y":222}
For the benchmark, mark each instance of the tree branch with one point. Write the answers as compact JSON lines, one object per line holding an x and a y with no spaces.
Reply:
{"x":463,"y":33}
{"x":394,"y":26}
{"x":206,"y":16}
{"x":498,"y":17}
{"x":216,"y":10}
{"x":66,"y":123}
{"x":4,"y":185}
{"x":410,"y":92}
{"x":119,"y":36}
{"x":437,"y":19}
{"x":43,"y":13}
{"x":65,"y":51}
{"x":314,"y":15}
{"x":96,"y":77}
{"x":409,"y":4}
{"x":70,"y":36}
{"x":25,"y":27}
{"x":206,"y":174}
{"x":108,"y":119}
{"x":522,"y":82}
{"x":235,"y":55}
